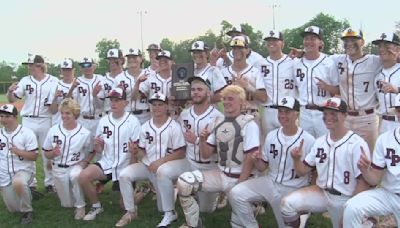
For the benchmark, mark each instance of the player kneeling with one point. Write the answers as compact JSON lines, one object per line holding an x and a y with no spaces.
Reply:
{"x":18,"y":152}
{"x":234,"y":139}
{"x":281,"y":178}
{"x":68,"y":145}
{"x":384,"y":169}
{"x":335,"y":156}
{"x":161,"y":140}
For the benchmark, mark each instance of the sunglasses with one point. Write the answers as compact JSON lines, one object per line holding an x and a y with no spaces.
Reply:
{"x":86,"y":65}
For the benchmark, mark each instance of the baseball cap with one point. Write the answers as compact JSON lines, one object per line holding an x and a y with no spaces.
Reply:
{"x":334,"y":103}
{"x":86,"y":62}
{"x":199,"y":46}
{"x":288,"y":102}
{"x":134,"y":52}
{"x":67,"y":63}
{"x":165,"y":54}
{"x":114,"y":53}
{"x":158,"y":97}
{"x":200,"y":79}
{"x":349,"y":32}
{"x":239,"y":41}
{"x":236,"y":29}
{"x":154,"y":47}
{"x":34,"y":59}
{"x":9,"y":109}
{"x":117,"y":93}
{"x":274,"y":34}
{"x":313,"y":30}
{"x":388,"y":37}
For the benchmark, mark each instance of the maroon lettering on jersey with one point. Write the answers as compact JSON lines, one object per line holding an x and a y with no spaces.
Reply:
{"x":29,"y":88}
{"x":2,"y":145}
{"x":154,"y":87}
{"x":123,"y":85}
{"x":321,"y":155}
{"x":300,"y":74}
{"x":82,"y":91}
{"x":273,"y":151}
{"x":107,"y":131}
{"x":187,"y":125}
{"x":57,"y":140}
{"x":149,"y":137}
{"x":391,"y":155}
{"x":341,"y":68}
{"x":265,"y":70}
{"x":107,"y":87}
{"x":228,"y":81}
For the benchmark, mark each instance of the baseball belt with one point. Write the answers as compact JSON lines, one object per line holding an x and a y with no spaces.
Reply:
{"x":361,"y":112}
{"x":389,"y":118}
{"x":138,"y":112}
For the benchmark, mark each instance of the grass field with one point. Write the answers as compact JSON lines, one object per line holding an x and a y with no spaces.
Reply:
{"x":49,"y":213}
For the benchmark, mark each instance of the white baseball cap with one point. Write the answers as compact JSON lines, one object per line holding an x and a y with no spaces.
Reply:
{"x":199,"y":46}
{"x":9,"y":109}
{"x":165,"y":54}
{"x":349,"y":32}
{"x":114,"y":53}
{"x":388,"y":37}
{"x":158,"y":97}
{"x":86,"y":62}
{"x":29,"y":60}
{"x":289,"y":102}
{"x":239,"y":41}
{"x":67,"y":63}
{"x":313,"y":30}
{"x":334,"y":103}
{"x":154,"y":47}
{"x":236,"y":29}
{"x":274,"y":34}
{"x":34,"y":59}
{"x":134,"y":52}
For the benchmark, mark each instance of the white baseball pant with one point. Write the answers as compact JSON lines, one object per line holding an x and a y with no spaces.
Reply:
{"x":40,"y":126}
{"x":365,"y":126}
{"x":270,"y":120}
{"x":312,"y":199}
{"x":68,"y":189}
{"x":386,"y":125}
{"x":17,"y":196}
{"x":143,"y":117}
{"x":91,"y":125}
{"x":374,"y":202}
{"x":312,"y":122}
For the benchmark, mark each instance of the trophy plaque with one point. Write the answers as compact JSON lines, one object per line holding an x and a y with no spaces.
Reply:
{"x":180,"y":75}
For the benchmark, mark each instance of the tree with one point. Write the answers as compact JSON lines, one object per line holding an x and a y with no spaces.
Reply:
{"x":6,"y":72}
{"x":101,"y":49}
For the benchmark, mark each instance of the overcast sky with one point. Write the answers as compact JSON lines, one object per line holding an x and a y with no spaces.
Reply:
{"x":58,"y":29}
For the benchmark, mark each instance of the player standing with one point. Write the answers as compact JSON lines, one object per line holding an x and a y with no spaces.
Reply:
{"x":153,"y":50}
{"x":116,"y":61}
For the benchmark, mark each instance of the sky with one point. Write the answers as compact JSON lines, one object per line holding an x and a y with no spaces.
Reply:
{"x":57,"y":29}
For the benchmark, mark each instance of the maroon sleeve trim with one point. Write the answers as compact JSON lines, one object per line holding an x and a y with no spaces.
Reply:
{"x":377,"y":167}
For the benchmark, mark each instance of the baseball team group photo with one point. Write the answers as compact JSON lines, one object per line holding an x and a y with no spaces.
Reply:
{"x":274,"y":128}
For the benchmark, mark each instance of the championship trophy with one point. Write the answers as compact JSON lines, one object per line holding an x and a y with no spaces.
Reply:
{"x":180,"y":75}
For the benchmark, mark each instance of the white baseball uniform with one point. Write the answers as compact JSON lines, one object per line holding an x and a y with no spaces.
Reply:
{"x":279,"y":82}
{"x":35,"y":112}
{"x":74,"y":146}
{"x":385,"y":199}
{"x":252,"y":59}
{"x":356,"y":83}
{"x":310,"y":96}
{"x":213,"y":75}
{"x":108,"y":84}
{"x":281,"y":178}
{"x":157,"y":142}
{"x":15,"y":169}
{"x":63,"y":88}
{"x":117,"y":133}
{"x":336,"y":165}
{"x":386,"y":111}
{"x":154,"y":84}
{"x":139,"y":107}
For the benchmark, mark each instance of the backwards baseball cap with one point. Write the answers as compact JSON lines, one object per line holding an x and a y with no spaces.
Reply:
{"x":200,"y":79}
{"x":154,"y":47}
{"x":158,"y":97}
{"x":114,"y":53}
{"x":199,"y":46}
{"x":9,"y":109}
{"x":34,"y":59}
{"x":236,"y":29}
{"x":239,"y":41}
{"x":117,"y":93}
{"x":165,"y":54}
{"x":313,"y":30}
{"x":288,"y":102}
{"x":349,"y":32}
{"x":86,"y":62}
{"x":388,"y":37}
{"x":274,"y":34}
{"x":67,"y":63}
{"x":334,"y":103}
{"x":134,"y":52}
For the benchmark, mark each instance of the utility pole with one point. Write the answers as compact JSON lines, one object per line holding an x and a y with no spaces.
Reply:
{"x":141,"y":12}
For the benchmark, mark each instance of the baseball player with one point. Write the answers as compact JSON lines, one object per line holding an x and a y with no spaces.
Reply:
{"x":114,"y":136}
{"x":278,"y":79}
{"x":69,"y":146}
{"x":18,"y":152}
{"x":138,"y":104}
{"x":38,"y":88}
{"x":387,"y":82}
{"x":334,"y":156}
{"x":315,"y":76}
{"x":382,"y":170}
{"x":116,"y":61}
{"x":162,"y":142}
{"x":63,"y":87}
{"x":221,"y":59}
{"x":203,"y":69}
{"x":357,"y":72}
{"x":153,"y":50}
{"x":281,"y":178}
{"x":234,"y":138}
{"x":245,"y":75}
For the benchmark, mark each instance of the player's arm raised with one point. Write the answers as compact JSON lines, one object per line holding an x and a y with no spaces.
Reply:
{"x":300,"y":168}
{"x":206,"y":149}
{"x":75,"y":83}
{"x":10,"y":92}
{"x":28,"y":155}
{"x":259,"y":162}
{"x":371,"y":174}
{"x":136,"y":88}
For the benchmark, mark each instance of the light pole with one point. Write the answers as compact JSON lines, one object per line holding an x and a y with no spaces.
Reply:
{"x":273,"y":6}
{"x":141,"y":25}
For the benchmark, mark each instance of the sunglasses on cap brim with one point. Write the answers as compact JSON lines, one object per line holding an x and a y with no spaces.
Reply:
{"x":86,"y":65}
